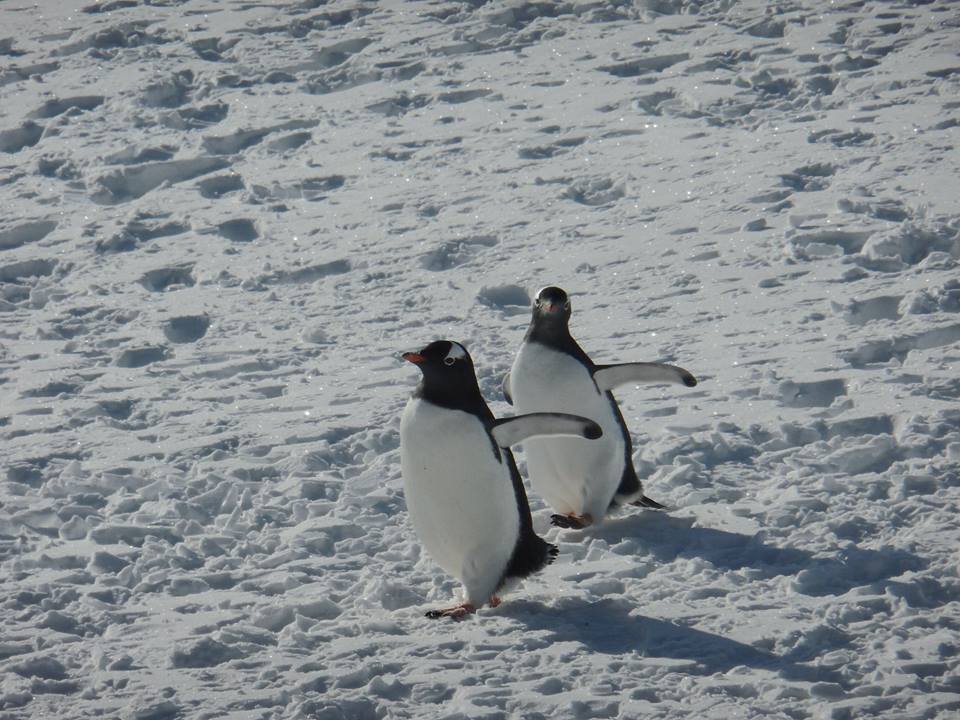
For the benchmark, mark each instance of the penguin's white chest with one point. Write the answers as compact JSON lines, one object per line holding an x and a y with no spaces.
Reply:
{"x":573,"y":475}
{"x":459,"y":494}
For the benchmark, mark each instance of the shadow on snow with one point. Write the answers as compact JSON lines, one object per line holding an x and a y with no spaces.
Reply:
{"x":610,"y":627}
{"x":669,"y":538}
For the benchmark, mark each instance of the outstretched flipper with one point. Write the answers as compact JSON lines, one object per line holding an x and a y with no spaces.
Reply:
{"x":510,"y":431}
{"x":506,"y":389}
{"x":608,"y":377}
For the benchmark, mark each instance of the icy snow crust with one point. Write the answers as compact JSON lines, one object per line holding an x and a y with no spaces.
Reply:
{"x":223,"y":220}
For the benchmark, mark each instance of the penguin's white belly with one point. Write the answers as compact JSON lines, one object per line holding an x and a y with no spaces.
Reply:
{"x":459,"y":496}
{"x":574,"y":475}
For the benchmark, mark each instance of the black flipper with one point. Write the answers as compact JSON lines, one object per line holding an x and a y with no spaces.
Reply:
{"x":608,"y":377}
{"x":512,"y":430}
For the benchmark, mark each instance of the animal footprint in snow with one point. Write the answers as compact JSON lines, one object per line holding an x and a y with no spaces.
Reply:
{"x":809,"y":177}
{"x":455,"y":253}
{"x":168,"y":278}
{"x":24,"y":233}
{"x":595,"y":191}
{"x":186,"y":328}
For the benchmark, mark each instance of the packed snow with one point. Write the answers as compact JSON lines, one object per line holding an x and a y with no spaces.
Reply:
{"x":222,"y":222}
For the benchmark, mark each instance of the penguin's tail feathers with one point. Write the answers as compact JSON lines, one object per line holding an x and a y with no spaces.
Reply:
{"x":646,"y":502}
{"x":532,"y":554}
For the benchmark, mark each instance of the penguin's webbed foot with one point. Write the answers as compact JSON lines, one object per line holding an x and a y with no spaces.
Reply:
{"x":457,"y":613}
{"x":646,"y":502}
{"x":571,"y":522}
{"x":495,"y":601}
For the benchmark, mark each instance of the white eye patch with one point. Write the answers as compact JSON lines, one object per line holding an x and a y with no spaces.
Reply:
{"x":455,"y":353}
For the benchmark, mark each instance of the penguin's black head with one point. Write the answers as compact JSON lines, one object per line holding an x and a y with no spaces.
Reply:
{"x":551,"y":305}
{"x":448,"y":376}
{"x":443,"y":361}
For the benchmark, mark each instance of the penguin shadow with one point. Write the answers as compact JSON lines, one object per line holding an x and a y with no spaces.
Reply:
{"x":608,"y":627}
{"x":669,"y":538}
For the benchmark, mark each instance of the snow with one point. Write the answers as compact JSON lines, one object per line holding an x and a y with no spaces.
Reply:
{"x":223,"y":221}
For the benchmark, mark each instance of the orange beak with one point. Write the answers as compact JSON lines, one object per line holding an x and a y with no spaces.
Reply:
{"x":415,"y":358}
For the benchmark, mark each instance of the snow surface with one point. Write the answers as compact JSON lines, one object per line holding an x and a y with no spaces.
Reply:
{"x":222,"y":221}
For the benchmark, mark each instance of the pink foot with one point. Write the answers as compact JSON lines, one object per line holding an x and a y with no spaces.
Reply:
{"x":495,"y":601}
{"x":457,"y":613}
{"x":571,"y":522}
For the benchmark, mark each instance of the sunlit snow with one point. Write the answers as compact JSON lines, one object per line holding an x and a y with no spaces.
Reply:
{"x":223,"y":221}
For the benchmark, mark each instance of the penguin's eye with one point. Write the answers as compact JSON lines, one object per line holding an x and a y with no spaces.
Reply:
{"x":566,"y":305}
{"x":449,"y":361}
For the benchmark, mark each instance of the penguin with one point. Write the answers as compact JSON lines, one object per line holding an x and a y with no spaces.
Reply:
{"x":551,"y":372}
{"x":463,"y":490}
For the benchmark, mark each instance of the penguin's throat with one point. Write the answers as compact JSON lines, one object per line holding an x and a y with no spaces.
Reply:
{"x":549,"y":330}
{"x":456,"y":397}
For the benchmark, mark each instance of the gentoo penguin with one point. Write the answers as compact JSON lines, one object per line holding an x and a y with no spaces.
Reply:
{"x":463,"y":490}
{"x":580,"y":480}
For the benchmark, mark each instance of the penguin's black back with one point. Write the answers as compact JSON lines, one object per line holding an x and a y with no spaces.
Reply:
{"x":532,"y":552}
